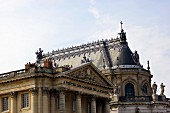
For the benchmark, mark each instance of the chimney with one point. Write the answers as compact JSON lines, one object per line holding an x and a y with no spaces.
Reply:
{"x":48,"y":63}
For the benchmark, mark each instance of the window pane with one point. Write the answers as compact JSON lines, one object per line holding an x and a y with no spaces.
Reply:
{"x":25,"y":100}
{"x":129,"y":90}
{"x":145,"y":89}
{"x":5,"y":103}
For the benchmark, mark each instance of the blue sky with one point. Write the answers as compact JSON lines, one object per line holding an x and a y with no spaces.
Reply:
{"x":26,"y":25}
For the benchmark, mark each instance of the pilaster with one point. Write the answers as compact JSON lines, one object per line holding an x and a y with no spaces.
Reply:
{"x":93,"y":104}
{"x":78,"y":103}
{"x":13,"y":102}
{"x":45,"y":100}
{"x":62,"y":101}
{"x":34,"y":100}
{"x":53,"y":103}
{"x":39,"y":100}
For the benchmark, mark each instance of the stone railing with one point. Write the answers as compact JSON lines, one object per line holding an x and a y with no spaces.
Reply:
{"x":135,"y":99}
{"x":13,"y":73}
{"x":23,"y":72}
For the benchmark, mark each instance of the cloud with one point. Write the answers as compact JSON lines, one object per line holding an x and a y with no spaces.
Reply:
{"x":94,"y":12}
{"x":92,"y":2}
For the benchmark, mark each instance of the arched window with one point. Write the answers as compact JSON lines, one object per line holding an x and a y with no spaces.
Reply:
{"x":145,"y":89}
{"x":129,"y":90}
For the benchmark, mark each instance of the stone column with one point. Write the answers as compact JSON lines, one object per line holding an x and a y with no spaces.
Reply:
{"x":78,"y":103}
{"x":13,"y":102}
{"x":107,"y":106}
{"x":93,"y":104}
{"x":62,"y":102}
{"x":53,"y":103}
{"x":40,"y":100}
{"x":34,"y":100}
{"x":99,"y":107}
{"x":45,"y":100}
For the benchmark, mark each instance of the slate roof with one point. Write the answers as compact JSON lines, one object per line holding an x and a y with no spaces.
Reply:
{"x":103,"y":53}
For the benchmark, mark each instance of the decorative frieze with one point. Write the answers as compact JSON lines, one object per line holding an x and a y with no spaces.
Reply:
{"x":85,"y":87}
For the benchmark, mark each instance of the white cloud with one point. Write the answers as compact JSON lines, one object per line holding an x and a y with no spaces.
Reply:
{"x":94,"y":12}
{"x":92,"y":2}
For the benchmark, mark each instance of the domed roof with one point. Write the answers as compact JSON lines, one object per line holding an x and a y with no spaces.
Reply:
{"x":125,"y":56}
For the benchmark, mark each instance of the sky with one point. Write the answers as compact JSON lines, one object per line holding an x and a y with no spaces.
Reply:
{"x":26,"y":25}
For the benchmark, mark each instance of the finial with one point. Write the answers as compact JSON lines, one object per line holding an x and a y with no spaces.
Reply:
{"x":121,"y":25}
{"x":148,"y":65}
{"x":122,"y":35}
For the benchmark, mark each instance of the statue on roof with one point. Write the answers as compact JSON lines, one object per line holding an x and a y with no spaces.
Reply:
{"x":136,"y":57}
{"x":162,"y":89}
{"x":154,"y":88}
{"x":85,"y":60}
{"x":122,"y":34}
{"x":39,"y":54}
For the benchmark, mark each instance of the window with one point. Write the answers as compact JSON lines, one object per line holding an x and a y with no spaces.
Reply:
{"x":144,"y":89}
{"x":5,"y":103}
{"x":25,"y":100}
{"x":129,"y":90}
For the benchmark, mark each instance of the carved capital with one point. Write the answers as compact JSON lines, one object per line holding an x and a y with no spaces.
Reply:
{"x":45,"y":90}
{"x":53,"y":92}
{"x":13,"y":94}
{"x":34,"y":90}
{"x":107,"y":100}
{"x":79,"y":93}
{"x":93,"y":97}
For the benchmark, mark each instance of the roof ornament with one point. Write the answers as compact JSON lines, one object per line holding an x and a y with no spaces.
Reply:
{"x":122,"y":34}
{"x":148,"y":65}
{"x":136,"y":57}
{"x":39,"y":54}
{"x":121,"y":25}
{"x":162,"y":89}
{"x":154,"y":88}
{"x":85,"y":60}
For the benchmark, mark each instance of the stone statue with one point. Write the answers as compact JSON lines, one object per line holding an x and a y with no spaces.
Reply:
{"x":154,"y":88}
{"x":162,"y":89}
{"x":116,"y":89}
{"x":39,"y":54}
{"x":136,"y":57}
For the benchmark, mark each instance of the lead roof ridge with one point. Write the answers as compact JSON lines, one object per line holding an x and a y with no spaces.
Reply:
{"x":83,"y":46}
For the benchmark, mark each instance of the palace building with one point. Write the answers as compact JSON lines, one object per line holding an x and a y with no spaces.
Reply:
{"x":103,"y":76}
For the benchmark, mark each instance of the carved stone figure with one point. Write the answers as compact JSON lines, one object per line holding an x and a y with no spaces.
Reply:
{"x":136,"y":57}
{"x":116,"y":89}
{"x":162,"y":89}
{"x":154,"y":88}
{"x":39,"y":54}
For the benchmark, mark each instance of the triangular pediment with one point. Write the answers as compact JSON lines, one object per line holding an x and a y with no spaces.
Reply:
{"x":89,"y":73}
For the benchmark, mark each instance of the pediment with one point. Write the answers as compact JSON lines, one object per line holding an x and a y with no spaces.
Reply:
{"x":89,"y":73}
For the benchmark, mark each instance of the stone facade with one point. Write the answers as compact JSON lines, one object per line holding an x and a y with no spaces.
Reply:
{"x":99,"y":77}
{"x":78,"y":90}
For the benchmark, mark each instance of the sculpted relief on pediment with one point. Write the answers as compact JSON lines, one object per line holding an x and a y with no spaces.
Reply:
{"x":87,"y":74}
